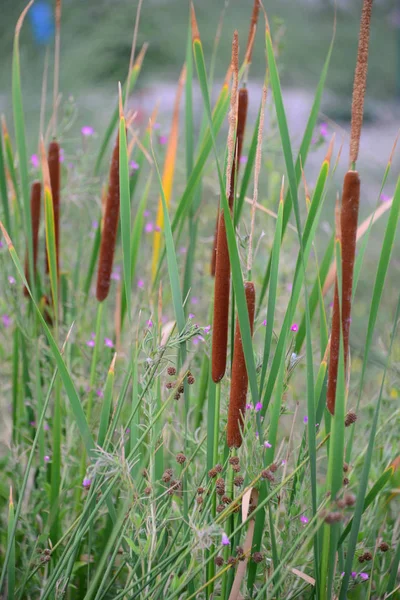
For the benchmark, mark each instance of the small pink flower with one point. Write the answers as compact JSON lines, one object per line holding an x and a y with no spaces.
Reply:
{"x":294,"y":327}
{"x":134,"y":165}
{"x":86,"y":483}
{"x":116,"y":275}
{"x":191,"y":316}
{"x":11,"y":280}
{"x":157,"y":228}
{"x":267,"y":444}
{"x":87,"y":131}
{"x":264,"y":322}
{"x":146,"y":213}
{"x":149,"y":323}
{"x":46,"y":427}
{"x":243,"y":160}
{"x":149,"y":227}
{"x":225,"y":540}
{"x":47,"y":458}
{"x":95,"y":224}
{"x":283,"y":463}
{"x":6,"y":320}
{"x":163,"y":139}
{"x":257,"y":434}
{"x":364,"y":576}
{"x":62,"y":155}
{"x":182,"y":250}
{"x":91,"y":343}
{"x":354,"y":574}
{"x":108,"y":343}
{"x":385,"y":198}
{"x":140,"y":283}
{"x":156,"y":125}
{"x":207,"y":329}
{"x":1,"y":244}
{"x":195,"y":300}
{"x":305,"y":420}
{"x":258,"y":406}
{"x":304,"y":519}
{"x":323,"y":129}
{"x":35,"y":161}
{"x":100,"y":393}
{"x":249,"y":406}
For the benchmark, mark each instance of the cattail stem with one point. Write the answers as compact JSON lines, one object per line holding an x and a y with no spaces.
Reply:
{"x":110,"y":228}
{"x":239,"y":382}
{"x":348,"y":234}
{"x":35,"y":216}
{"x":55,"y":177}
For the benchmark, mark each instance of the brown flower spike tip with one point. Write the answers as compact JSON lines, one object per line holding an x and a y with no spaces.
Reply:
{"x":35,"y":216}
{"x":55,"y":178}
{"x":239,"y":383}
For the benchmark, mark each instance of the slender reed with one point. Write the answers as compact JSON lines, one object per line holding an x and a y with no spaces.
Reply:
{"x":223,"y":268}
{"x":110,"y":228}
{"x":252,"y":31}
{"x":349,"y":213}
{"x":239,"y":383}
{"x":36,"y":189}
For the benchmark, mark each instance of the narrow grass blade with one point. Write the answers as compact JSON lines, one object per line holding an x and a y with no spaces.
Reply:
{"x":3,"y":188}
{"x":125,"y":211}
{"x":11,"y":544}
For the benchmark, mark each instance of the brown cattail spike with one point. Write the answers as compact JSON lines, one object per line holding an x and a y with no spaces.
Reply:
{"x":110,"y":228}
{"x":360,"y":81}
{"x":221,"y":303}
{"x":35,"y":216}
{"x":55,"y":176}
{"x":239,"y":383}
{"x":348,"y":226}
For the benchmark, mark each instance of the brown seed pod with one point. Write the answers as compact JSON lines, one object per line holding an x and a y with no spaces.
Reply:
{"x":55,"y":178}
{"x":351,"y":418}
{"x":171,"y":371}
{"x":384,"y":547}
{"x":110,"y":228}
{"x":35,"y":216}
{"x":239,"y":383}
{"x":348,"y":224}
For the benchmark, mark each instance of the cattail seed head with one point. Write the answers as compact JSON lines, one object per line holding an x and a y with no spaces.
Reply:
{"x":348,"y":225}
{"x":212,"y":473}
{"x":35,"y":219}
{"x":346,"y":481}
{"x":221,"y":303}
{"x":171,"y":371}
{"x":177,"y":396}
{"x":220,"y":508}
{"x":181,"y":388}
{"x":218,"y":468}
{"x":273,"y":467}
{"x":147,"y":490}
{"x":199,"y":499}
{"x":239,"y":381}
{"x":110,"y":228}
{"x":367,"y":556}
{"x":345,"y":467}
{"x":191,"y":380}
{"x":231,"y":560}
{"x":219,"y":561}
{"x":55,"y":177}
{"x":200,"y":490}
{"x":350,"y":499}
{"x":252,"y":30}
{"x":333,"y":517}
{"x":234,"y":460}
{"x":226,"y":500}
{"x":236,"y":468}
{"x":169,"y":385}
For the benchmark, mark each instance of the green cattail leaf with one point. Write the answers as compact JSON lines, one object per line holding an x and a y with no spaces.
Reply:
{"x":3,"y":188}
{"x":19,"y":125}
{"x":125,"y":212}
{"x":51,"y":248}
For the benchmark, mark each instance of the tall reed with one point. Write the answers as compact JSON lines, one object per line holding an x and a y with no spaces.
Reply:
{"x":240,"y":380}
{"x":349,"y":213}
{"x":110,"y":228}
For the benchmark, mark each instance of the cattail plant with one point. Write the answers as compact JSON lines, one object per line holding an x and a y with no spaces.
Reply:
{"x":36,"y":189}
{"x":349,"y":214}
{"x":110,"y":228}
{"x":239,"y":382}
{"x":222,"y":266}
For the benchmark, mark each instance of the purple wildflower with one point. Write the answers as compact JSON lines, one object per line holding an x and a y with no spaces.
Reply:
{"x":100,"y":393}
{"x":267,"y":444}
{"x":195,"y":300}
{"x":149,"y":227}
{"x":264,"y":322}
{"x":258,"y":406}
{"x":91,"y":343}
{"x":6,"y":320}
{"x":323,"y":130}
{"x":243,"y":160}
{"x":305,"y":420}
{"x":140,"y":283}
{"x":294,"y":327}
{"x":11,"y":280}
{"x":191,"y":316}
{"x":149,"y":323}
{"x":354,"y":574}
{"x":108,"y":343}
{"x":163,"y":139}
{"x":134,"y":165}
{"x":47,"y":458}
{"x":225,"y":540}
{"x":385,"y":198}
{"x":62,"y":155}
{"x":87,"y":131}
{"x":207,"y":329}
{"x":35,"y":161}
{"x":364,"y":576}
{"x":86,"y":483}
{"x":304,"y":519}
